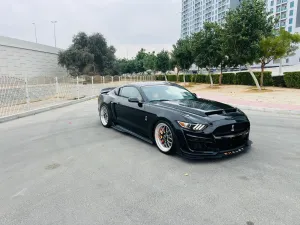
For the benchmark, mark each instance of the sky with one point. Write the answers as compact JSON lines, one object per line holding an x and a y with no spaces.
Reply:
{"x":129,"y":25}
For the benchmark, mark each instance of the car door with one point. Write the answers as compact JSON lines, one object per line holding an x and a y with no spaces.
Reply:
{"x":131,"y":115}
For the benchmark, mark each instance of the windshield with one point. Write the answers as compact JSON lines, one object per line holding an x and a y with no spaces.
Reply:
{"x":166,"y":93}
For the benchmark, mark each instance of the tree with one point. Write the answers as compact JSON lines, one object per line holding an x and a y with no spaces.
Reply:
{"x":163,"y":62}
{"x":75,"y":60}
{"x":275,"y":47}
{"x":88,"y":53}
{"x":139,"y":60}
{"x":174,"y":65}
{"x":149,"y":61}
{"x":141,"y":54}
{"x":244,"y":28}
{"x":182,"y":55}
{"x":207,"y":48}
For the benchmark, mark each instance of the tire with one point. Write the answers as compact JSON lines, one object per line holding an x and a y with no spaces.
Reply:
{"x":105,"y":116}
{"x":165,"y":138}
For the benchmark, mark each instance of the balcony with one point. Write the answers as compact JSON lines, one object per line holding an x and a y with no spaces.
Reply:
{"x":283,"y":7}
{"x":283,"y":15}
{"x":282,"y":23}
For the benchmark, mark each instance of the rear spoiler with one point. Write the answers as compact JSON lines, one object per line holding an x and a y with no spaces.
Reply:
{"x":106,"y":90}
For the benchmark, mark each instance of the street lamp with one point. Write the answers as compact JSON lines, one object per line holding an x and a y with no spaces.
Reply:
{"x":35,"y":32}
{"x":54,"y":22}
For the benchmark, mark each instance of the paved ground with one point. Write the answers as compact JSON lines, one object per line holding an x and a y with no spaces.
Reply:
{"x":62,"y":168}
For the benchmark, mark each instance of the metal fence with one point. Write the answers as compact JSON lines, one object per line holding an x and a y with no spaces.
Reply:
{"x":20,"y":94}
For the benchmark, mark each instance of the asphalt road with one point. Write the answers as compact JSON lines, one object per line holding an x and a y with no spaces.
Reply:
{"x":63,"y":168}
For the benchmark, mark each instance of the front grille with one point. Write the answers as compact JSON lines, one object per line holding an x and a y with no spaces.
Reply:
{"x":200,"y":143}
{"x":231,"y":143}
{"x":227,"y":129}
{"x":210,"y":144}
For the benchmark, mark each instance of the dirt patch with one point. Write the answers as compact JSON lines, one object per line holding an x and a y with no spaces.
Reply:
{"x":52,"y":166}
{"x":187,"y":85}
{"x":211,"y":88}
{"x":199,"y":86}
{"x":255,"y":90}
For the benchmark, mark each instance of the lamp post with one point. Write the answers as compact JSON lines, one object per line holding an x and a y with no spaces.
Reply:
{"x":54,"y":22}
{"x":35,"y":32}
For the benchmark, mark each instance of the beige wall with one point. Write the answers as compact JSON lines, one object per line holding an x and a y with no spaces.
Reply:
{"x":23,"y":58}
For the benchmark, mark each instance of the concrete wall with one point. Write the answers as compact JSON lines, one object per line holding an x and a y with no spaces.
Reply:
{"x":23,"y":58}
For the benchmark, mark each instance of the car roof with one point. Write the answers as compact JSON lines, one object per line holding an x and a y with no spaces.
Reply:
{"x":149,"y":83}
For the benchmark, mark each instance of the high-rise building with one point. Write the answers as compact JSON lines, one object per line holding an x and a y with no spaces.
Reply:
{"x":196,"y":12}
{"x":288,"y":13}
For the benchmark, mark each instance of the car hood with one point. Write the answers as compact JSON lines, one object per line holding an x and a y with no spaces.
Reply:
{"x":211,"y":110}
{"x":197,"y":105}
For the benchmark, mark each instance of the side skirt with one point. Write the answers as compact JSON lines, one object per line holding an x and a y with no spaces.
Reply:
{"x":125,"y":130}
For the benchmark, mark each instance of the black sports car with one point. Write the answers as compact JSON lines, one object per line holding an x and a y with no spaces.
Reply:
{"x":175,"y":119}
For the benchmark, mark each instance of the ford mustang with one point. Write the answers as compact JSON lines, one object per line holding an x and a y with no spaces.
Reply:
{"x":174,"y":119}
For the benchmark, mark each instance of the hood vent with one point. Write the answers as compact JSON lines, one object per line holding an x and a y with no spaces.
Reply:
{"x":221,"y":112}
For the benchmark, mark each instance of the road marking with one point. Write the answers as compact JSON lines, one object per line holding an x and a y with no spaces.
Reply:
{"x":19,"y":193}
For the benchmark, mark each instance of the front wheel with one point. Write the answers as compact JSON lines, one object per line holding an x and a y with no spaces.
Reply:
{"x":165,"y":138}
{"x":105,"y":116}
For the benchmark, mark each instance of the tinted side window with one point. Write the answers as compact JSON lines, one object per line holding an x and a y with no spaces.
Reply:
{"x":130,"y":92}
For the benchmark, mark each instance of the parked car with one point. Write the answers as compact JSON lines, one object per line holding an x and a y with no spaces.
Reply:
{"x":175,"y":119}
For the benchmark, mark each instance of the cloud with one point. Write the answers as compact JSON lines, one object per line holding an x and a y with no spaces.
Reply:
{"x":127,"y":24}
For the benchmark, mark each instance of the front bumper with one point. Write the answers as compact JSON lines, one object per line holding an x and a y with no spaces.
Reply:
{"x":198,"y":146}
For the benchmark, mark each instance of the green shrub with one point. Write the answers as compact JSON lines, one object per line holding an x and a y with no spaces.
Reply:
{"x":292,"y":79}
{"x":268,"y":80}
{"x":215,"y":78}
{"x":278,"y":81}
{"x":228,"y":78}
{"x":245,"y":78}
{"x":240,"y":78}
{"x":180,"y":78}
{"x":188,"y":78}
{"x":172,"y":78}
{"x":159,"y":77}
{"x":199,"y":78}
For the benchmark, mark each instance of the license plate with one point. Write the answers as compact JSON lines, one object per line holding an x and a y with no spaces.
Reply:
{"x":234,"y":152}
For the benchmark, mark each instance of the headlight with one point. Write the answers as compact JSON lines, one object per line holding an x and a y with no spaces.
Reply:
{"x":190,"y":126}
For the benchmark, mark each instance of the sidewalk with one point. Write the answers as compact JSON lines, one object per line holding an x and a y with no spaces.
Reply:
{"x":272,"y":99}
{"x":248,"y":103}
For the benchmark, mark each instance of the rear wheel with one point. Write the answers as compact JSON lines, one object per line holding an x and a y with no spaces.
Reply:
{"x":165,"y":138}
{"x":105,"y":116}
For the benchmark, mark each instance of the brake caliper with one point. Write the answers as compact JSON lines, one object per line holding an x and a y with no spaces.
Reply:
{"x":162,"y":134}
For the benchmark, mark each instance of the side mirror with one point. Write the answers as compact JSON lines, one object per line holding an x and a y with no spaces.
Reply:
{"x":133,"y":100}
{"x":195,"y":95}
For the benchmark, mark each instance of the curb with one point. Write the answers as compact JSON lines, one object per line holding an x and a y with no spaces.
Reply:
{"x":40,"y":110}
{"x":273,"y":110}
